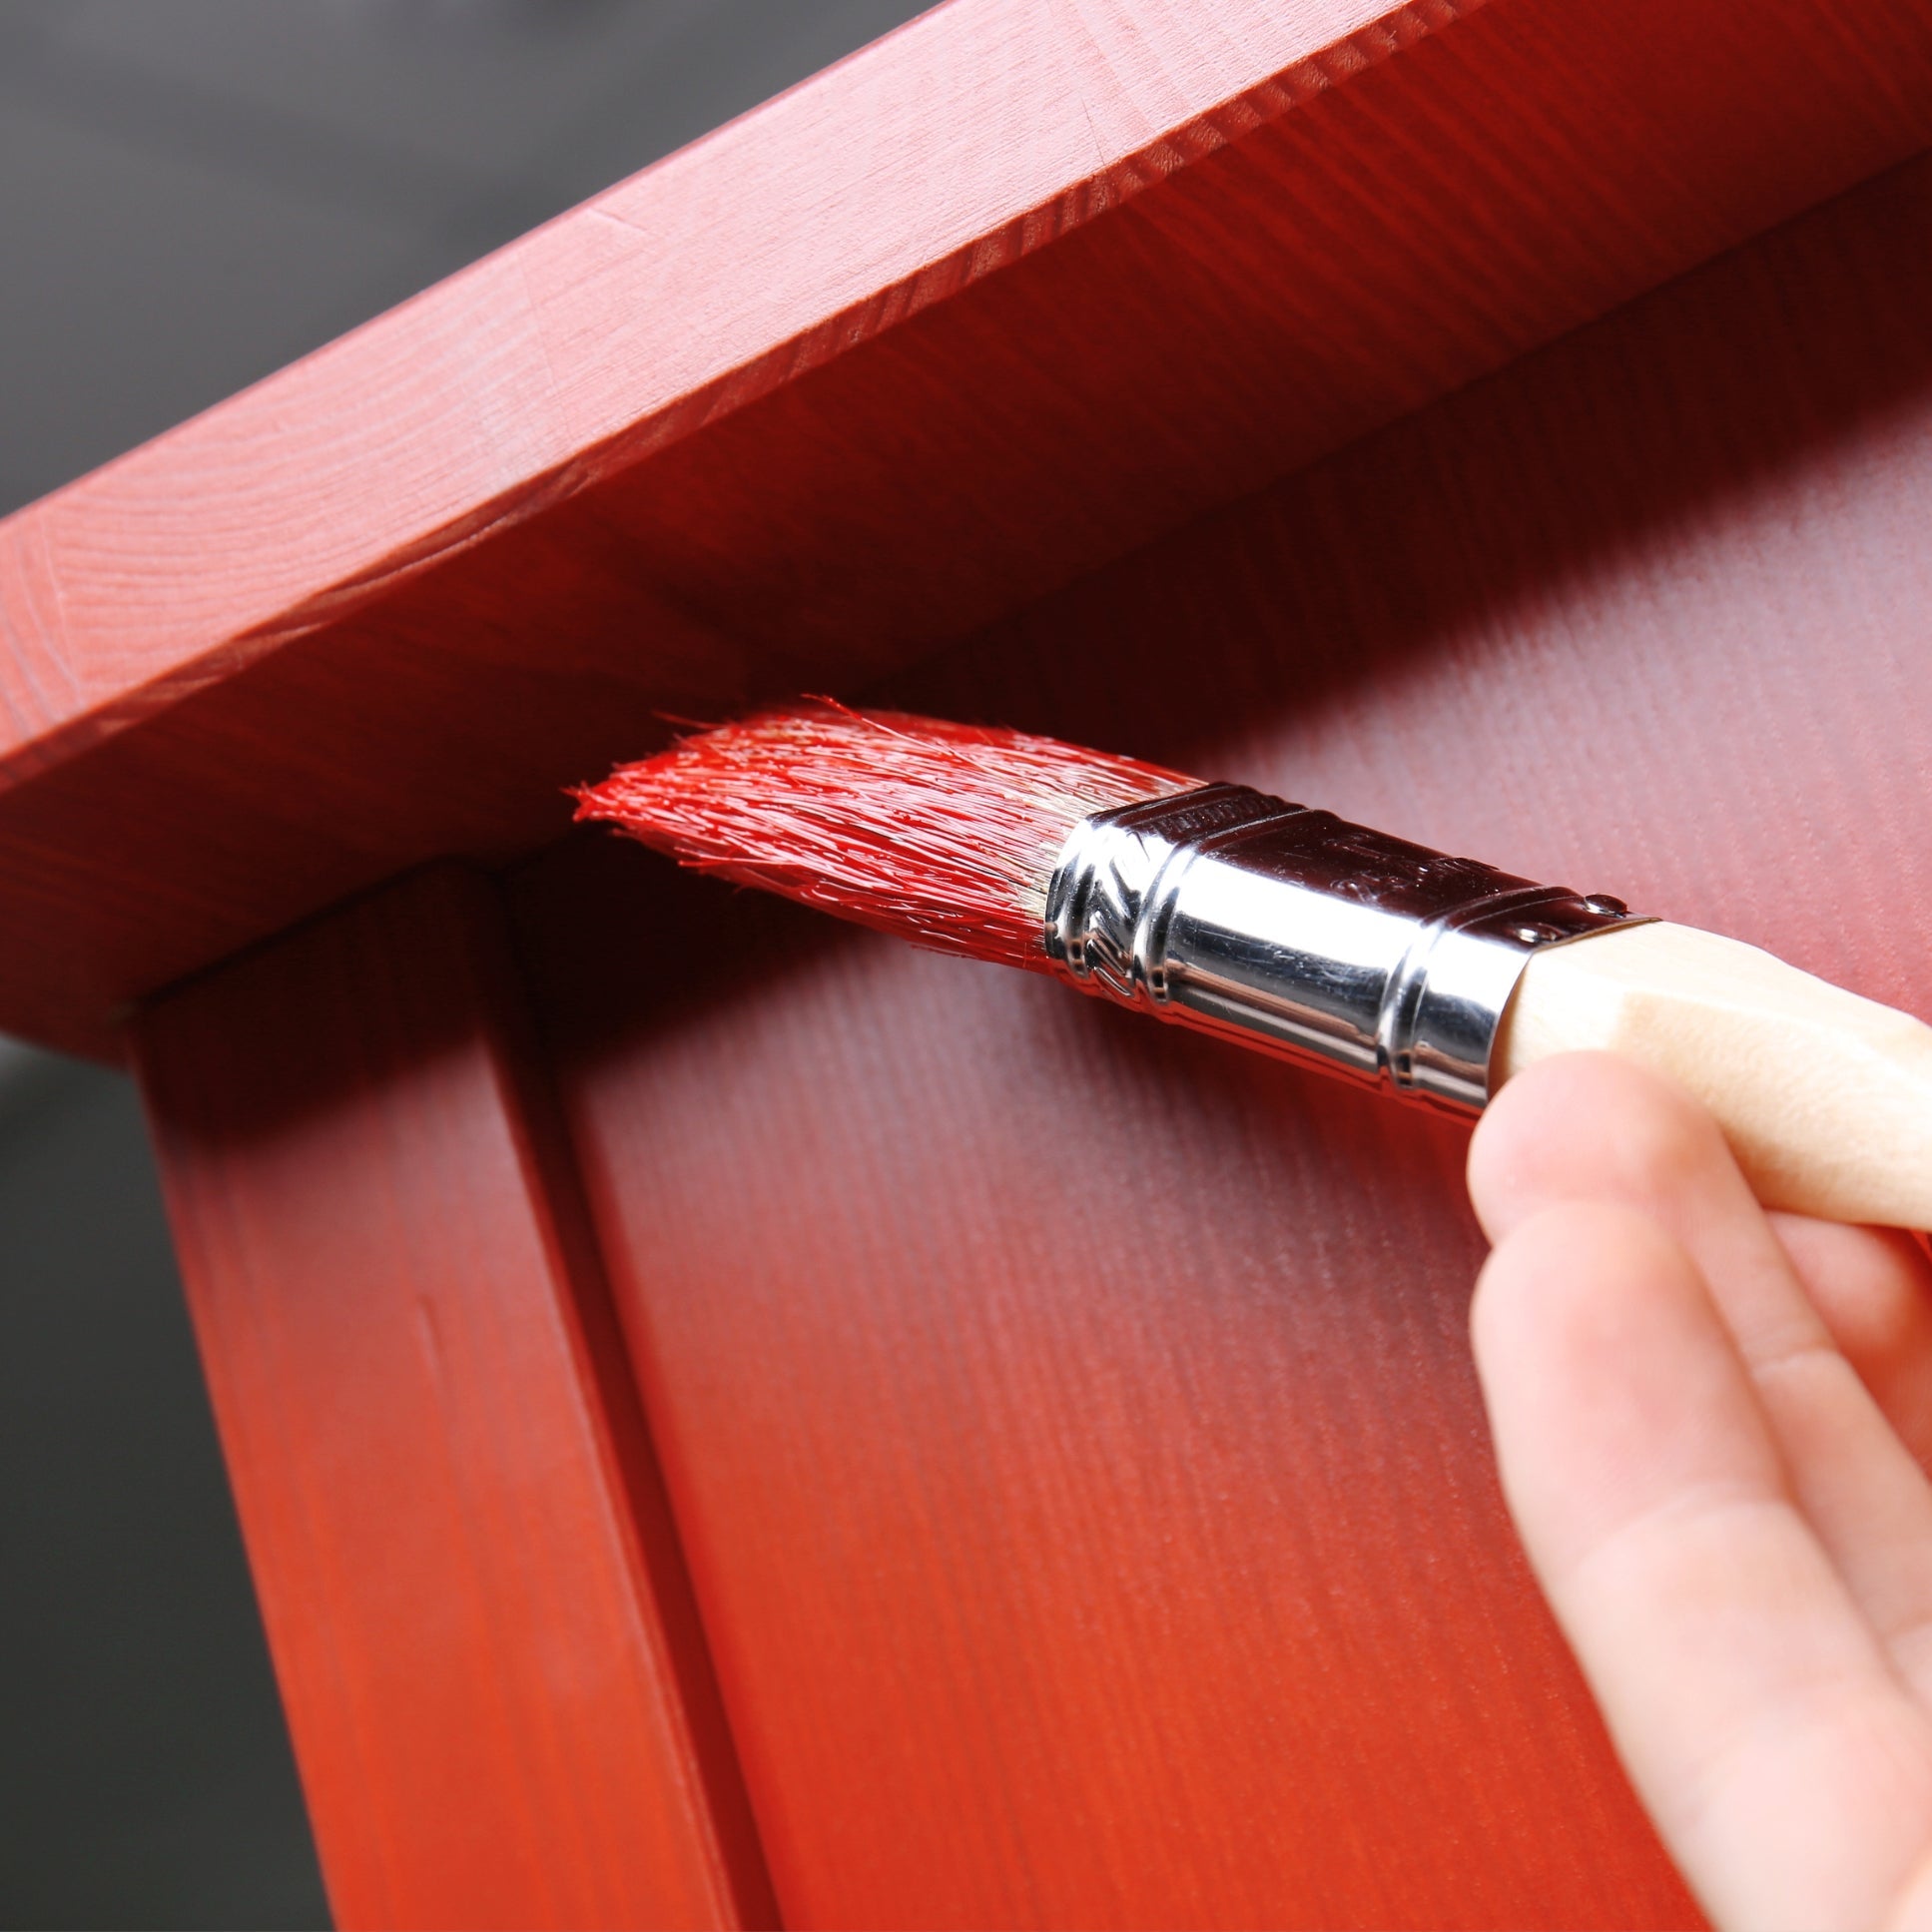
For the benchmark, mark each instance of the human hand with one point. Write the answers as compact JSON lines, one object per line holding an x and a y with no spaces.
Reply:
{"x":1714,"y":1424}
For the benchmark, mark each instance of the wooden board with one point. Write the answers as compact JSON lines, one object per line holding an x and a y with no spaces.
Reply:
{"x":1018,"y":288}
{"x":1070,"y":1422}
{"x":502,"y":1710}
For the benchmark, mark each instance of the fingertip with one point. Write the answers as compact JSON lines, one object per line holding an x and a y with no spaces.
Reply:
{"x":1588,"y":1126}
{"x":1873,"y":1289}
{"x":1872,"y":1285}
{"x":1606,"y":1372}
{"x":1558,"y":1287}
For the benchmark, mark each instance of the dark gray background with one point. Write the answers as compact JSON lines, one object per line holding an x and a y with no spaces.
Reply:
{"x":191,"y":193}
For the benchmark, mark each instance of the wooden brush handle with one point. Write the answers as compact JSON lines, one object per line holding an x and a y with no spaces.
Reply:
{"x":1826,"y":1098}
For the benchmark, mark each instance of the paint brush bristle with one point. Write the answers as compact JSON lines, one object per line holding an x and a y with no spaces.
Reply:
{"x":942,"y":834}
{"x":1293,"y":933}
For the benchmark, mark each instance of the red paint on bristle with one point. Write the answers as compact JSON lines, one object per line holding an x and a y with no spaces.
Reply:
{"x":942,"y":834}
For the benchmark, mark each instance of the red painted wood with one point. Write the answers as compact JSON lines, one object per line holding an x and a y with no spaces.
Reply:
{"x":1021,"y":288}
{"x":1070,"y":1421}
{"x":500,"y":1701}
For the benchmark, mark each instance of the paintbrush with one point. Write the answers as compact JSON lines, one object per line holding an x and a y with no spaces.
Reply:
{"x":1293,"y":931}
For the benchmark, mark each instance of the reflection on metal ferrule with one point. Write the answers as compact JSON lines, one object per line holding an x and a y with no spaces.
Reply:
{"x":1295,"y":931}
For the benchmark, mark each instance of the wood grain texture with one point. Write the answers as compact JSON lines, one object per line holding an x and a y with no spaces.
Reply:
{"x":1074,"y":1438}
{"x":1824,"y":1097}
{"x":502,"y":1706}
{"x":1094,"y":1398}
{"x":1013,"y":291}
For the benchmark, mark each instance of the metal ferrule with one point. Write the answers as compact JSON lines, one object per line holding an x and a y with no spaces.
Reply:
{"x":1297,"y":932}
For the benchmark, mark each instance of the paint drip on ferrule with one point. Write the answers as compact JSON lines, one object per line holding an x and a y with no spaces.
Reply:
{"x":1291,"y":929}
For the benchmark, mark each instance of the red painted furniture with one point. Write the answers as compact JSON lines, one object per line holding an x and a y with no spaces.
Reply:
{"x":739,"y":1421}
